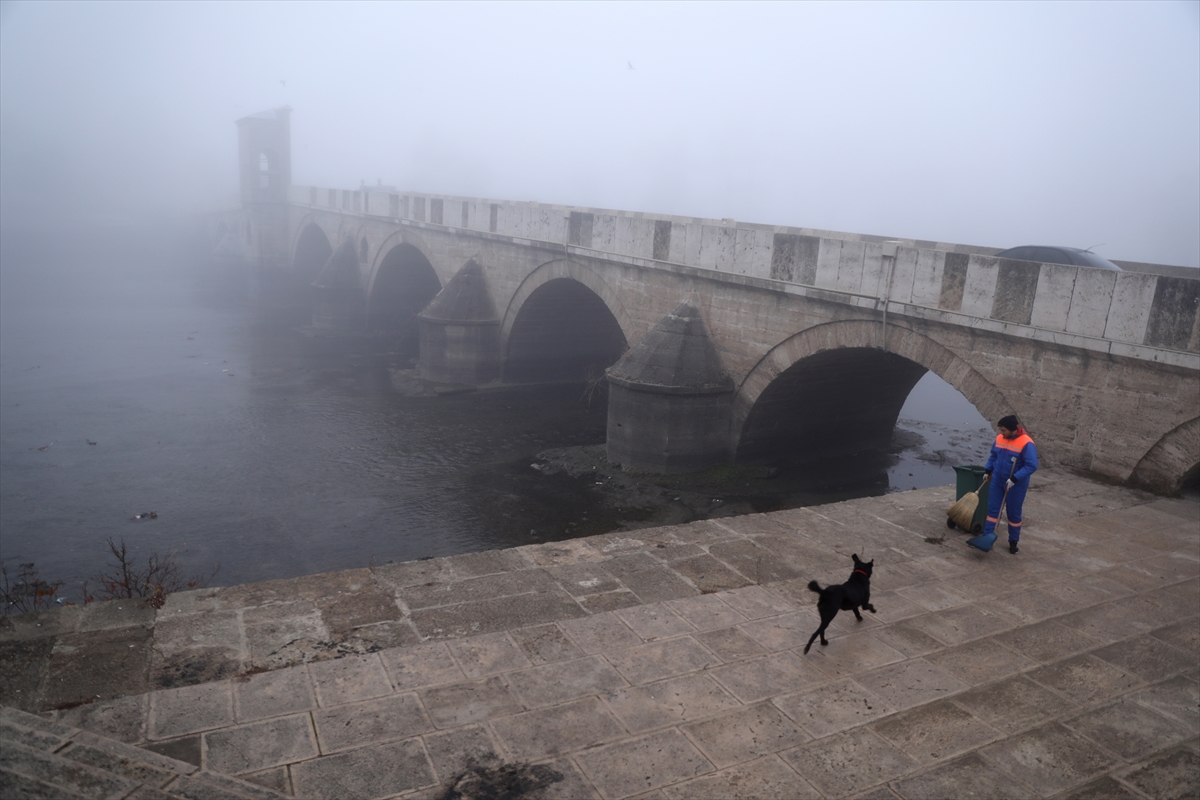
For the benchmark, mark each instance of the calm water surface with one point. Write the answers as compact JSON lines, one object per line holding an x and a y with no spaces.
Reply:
{"x":264,"y":452}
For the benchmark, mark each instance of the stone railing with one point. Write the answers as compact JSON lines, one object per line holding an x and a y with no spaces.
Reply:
{"x":1136,"y":314}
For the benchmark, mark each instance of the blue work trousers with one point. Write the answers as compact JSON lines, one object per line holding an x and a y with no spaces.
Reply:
{"x":1012,"y":502}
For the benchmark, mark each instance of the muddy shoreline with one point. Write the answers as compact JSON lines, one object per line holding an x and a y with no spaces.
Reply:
{"x":608,"y":498}
{"x":635,"y":499}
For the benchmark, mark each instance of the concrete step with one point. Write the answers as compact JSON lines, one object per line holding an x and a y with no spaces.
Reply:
{"x":44,"y":759}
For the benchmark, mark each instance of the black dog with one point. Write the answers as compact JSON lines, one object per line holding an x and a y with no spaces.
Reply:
{"x":849,"y":596}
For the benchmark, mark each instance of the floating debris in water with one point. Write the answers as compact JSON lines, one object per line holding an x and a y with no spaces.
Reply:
{"x":144,"y":515}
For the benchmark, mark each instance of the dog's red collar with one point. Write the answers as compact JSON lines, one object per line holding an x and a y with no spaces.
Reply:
{"x":860,"y":572}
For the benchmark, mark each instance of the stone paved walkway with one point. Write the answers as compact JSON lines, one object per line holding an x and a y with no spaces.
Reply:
{"x":667,"y":663}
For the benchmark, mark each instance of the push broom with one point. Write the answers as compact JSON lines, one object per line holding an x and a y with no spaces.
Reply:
{"x":962,"y":513}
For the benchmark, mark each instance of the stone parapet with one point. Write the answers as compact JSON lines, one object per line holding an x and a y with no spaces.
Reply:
{"x":1116,"y":307}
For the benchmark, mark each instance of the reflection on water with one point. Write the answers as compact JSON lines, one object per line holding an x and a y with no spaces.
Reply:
{"x":263,"y":453}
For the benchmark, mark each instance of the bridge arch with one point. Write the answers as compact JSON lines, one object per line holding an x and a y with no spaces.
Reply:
{"x":402,"y":281}
{"x":348,"y":229}
{"x":312,"y":249}
{"x":393,"y":240}
{"x":565,"y":323}
{"x":1173,"y":463}
{"x":832,"y":385}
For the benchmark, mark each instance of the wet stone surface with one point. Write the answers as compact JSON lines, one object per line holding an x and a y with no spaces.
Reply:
{"x":516,"y":781}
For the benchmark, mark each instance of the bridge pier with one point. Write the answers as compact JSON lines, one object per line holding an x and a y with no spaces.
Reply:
{"x":337,"y":294}
{"x":669,"y":400}
{"x":460,"y":332}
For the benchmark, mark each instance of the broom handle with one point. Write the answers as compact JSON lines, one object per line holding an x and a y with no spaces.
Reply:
{"x":1011,"y":472}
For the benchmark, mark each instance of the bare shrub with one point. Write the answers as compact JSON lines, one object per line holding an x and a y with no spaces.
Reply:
{"x":28,"y":592}
{"x":151,"y":581}
{"x":595,"y":386}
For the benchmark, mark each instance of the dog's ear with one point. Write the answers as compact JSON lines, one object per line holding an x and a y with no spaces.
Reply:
{"x":855,"y":557}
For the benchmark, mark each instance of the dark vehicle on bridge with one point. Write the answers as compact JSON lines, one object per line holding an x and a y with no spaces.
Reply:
{"x":1071,"y":256}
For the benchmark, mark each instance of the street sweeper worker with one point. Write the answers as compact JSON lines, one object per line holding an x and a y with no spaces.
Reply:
{"x":1012,"y":461}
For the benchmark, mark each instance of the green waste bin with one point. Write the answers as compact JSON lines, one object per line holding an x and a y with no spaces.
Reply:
{"x":968,"y":479}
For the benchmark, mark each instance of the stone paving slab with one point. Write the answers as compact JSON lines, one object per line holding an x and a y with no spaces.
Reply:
{"x":668,"y":663}
{"x":40,"y":758}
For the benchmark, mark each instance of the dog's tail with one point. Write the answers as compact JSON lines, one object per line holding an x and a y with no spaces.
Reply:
{"x":813,"y":586}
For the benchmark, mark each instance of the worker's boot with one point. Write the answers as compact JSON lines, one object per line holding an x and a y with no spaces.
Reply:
{"x":1012,"y":548}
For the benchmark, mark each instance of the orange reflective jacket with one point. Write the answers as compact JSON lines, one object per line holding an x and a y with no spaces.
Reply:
{"x":1000,"y":463}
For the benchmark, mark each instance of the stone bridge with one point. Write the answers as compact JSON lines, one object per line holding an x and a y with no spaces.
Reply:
{"x":726,"y":340}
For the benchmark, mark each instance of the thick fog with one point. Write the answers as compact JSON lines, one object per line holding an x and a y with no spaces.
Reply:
{"x":993,"y":124}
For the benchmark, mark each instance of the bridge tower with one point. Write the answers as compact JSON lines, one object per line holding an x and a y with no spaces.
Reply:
{"x":265,"y":170}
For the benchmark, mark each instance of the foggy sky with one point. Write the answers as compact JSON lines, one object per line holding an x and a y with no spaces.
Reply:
{"x":992,"y":124}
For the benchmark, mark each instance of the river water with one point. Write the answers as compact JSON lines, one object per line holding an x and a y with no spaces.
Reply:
{"x":125,"y":389}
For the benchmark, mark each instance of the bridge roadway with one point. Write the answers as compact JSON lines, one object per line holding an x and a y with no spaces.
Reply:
{"x":734,"y":341}
{"x":659,"y":663}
